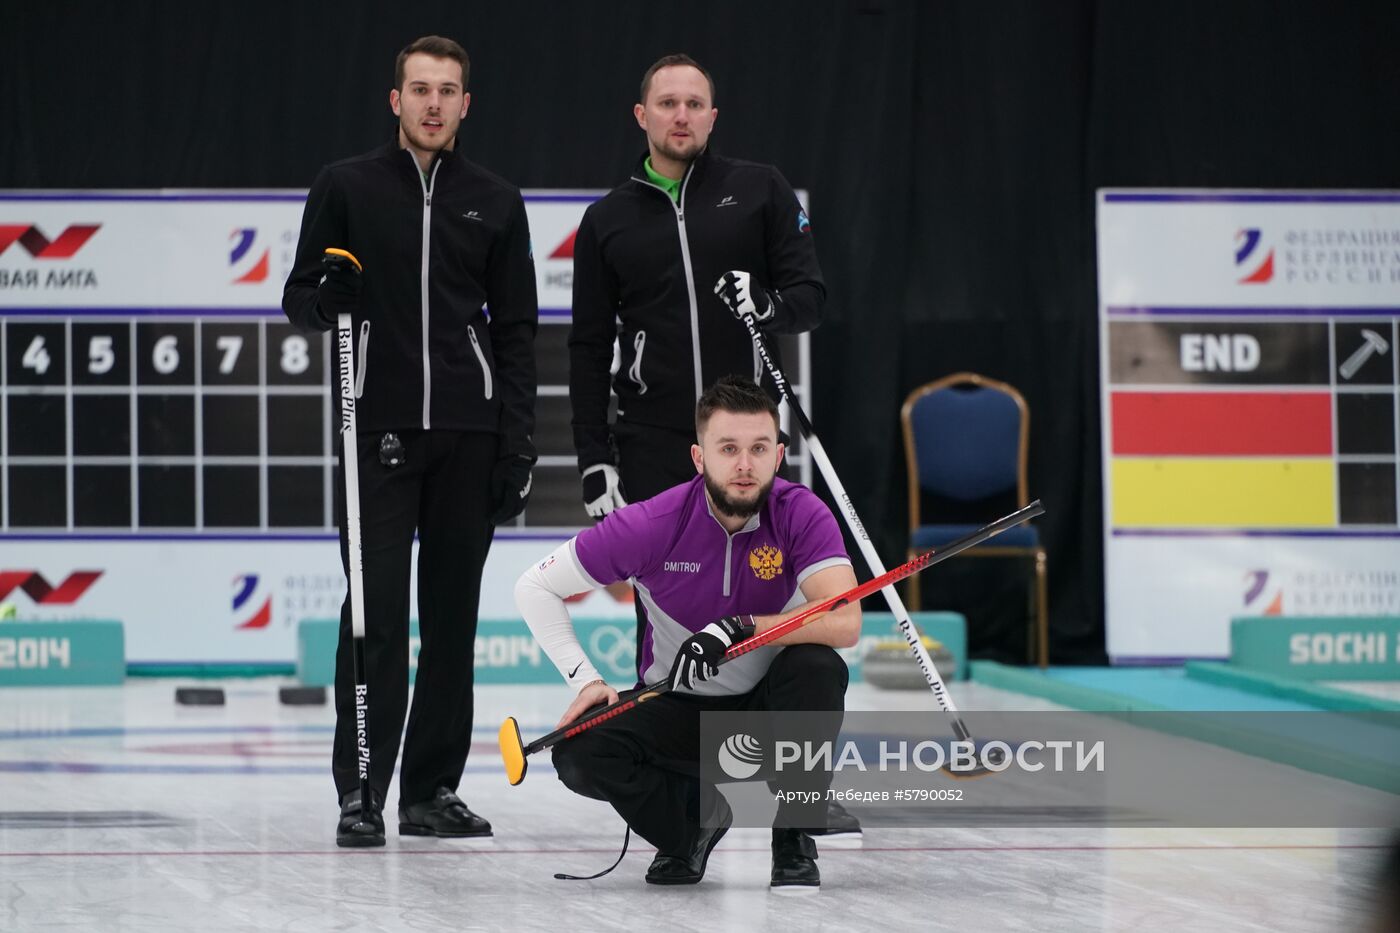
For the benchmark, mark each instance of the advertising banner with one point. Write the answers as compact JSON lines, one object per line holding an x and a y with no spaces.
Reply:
{"x":1250,"y":399}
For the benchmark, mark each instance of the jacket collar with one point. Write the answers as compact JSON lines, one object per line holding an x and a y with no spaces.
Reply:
{"x":696,"y":169}
{"x":392,"y":149}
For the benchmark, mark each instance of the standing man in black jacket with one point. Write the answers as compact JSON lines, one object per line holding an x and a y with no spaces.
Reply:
{"x":445,"y":315}
{"x":654,"y":254}
{"x":677,"y":254}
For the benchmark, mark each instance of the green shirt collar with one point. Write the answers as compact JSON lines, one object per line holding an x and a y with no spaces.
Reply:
{"x":671,"y":186}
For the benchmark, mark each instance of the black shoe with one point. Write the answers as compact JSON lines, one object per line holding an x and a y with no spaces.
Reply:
{"x":842,"y":829}
{"x":794,"y":861}
{"x":690,"y":867}
{"x":353,"y":830}
{"x":444,"y":815}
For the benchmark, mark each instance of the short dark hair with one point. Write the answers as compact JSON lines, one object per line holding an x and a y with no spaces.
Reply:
{"x":436,"y":46}
{"x":666,"y":61}
{"x":736,"y":395}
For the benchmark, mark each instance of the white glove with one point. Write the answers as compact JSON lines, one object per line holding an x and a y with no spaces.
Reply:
{"x":601,"y":490}
{"x":741,"y":296}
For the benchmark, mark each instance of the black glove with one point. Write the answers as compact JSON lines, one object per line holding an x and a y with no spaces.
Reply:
{"x":339,"y":291}
{"x":699,"y":655}
{"x":510,"y":487}
{"x":741,"y":295}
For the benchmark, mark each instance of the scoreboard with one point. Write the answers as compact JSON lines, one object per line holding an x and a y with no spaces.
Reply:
{"x":151,"y":423}
{"x":1251,"y":410}
{"x":164,"y":427}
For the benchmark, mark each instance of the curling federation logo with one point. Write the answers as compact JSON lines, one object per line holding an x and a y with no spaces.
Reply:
{"x":249,"y":271}
{"x":740,"y":756}
{"x":1259,"y":596}
{"x":1256,"y":271}
{"x":244,"y":586}
{"x":766,"y":562}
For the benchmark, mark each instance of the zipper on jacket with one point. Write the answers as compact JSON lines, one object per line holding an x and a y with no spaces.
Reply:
{"x":364,"y":359}
{"x":639,"y":343}
{"x":679,"y":207}
{"x":480,"y":358}
{"x":728,"y":558}
{"x":427,"y":184}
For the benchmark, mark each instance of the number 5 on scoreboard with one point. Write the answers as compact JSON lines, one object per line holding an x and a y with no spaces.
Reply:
{"x":101,"y":357}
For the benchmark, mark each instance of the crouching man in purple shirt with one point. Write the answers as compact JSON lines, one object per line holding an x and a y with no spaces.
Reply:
{"x":732,"y":552}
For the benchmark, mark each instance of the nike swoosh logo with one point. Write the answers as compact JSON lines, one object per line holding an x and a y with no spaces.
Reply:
{"x":575,"y":670}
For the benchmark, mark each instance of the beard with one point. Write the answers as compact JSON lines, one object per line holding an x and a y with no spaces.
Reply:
{"x":735,"y":508}
{"x":687,"y":155}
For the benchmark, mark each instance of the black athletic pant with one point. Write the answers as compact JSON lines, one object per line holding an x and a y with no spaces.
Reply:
{"x":443,"y":491}
{"x":650,"y":461}
{"x":646,"y":761}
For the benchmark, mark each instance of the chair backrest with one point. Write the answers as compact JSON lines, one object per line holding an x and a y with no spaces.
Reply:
{"x":965,"y":438}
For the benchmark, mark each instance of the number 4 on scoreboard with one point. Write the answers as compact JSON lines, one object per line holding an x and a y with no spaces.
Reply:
{"x":36,"y":357}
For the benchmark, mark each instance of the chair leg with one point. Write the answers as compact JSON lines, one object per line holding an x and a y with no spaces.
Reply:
{"x":1042,"y":612}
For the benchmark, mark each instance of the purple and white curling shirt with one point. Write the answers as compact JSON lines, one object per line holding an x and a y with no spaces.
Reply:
{"x":688,"y":571}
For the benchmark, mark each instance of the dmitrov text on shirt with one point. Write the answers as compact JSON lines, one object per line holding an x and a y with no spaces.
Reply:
{"x":682,"y":566}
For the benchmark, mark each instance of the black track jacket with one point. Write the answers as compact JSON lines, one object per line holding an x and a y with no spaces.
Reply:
{"x":652,"y":263}
{"x":434,"y":252}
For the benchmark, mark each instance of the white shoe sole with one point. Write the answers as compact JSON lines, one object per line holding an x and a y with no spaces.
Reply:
{"x":789,"y":890}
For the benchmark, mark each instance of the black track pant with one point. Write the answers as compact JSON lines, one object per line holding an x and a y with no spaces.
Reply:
{"x":645,"y":762}
{"x":443,"y":492}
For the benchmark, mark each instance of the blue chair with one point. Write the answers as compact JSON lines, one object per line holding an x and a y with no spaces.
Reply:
{"x":965,"y":441}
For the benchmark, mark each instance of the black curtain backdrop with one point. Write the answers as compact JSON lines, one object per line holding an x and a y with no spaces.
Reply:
{"x":952,"y":149}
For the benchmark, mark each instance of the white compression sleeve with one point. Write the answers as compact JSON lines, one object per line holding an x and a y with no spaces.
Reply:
{"x":539,"y":595}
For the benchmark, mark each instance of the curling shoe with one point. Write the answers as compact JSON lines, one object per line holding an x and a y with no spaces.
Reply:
{"x":353,"y":830}
{"x":689,"y":868}
{"x":794,"y":862}
{"x":444,"y":815}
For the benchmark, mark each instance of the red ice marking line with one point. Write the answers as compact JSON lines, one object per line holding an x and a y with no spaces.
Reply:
{"x":252,"y":749}
{"x":828,"y":851}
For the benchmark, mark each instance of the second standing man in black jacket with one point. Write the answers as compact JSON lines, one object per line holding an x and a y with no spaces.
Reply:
{"x":664,"y":265}
{"x":445,"y":315}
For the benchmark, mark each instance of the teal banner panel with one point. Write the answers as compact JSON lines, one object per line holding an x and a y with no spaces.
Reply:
{"x":1318,"y":647}
{"x":506,"y":652}
{"x":47,"y":654}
